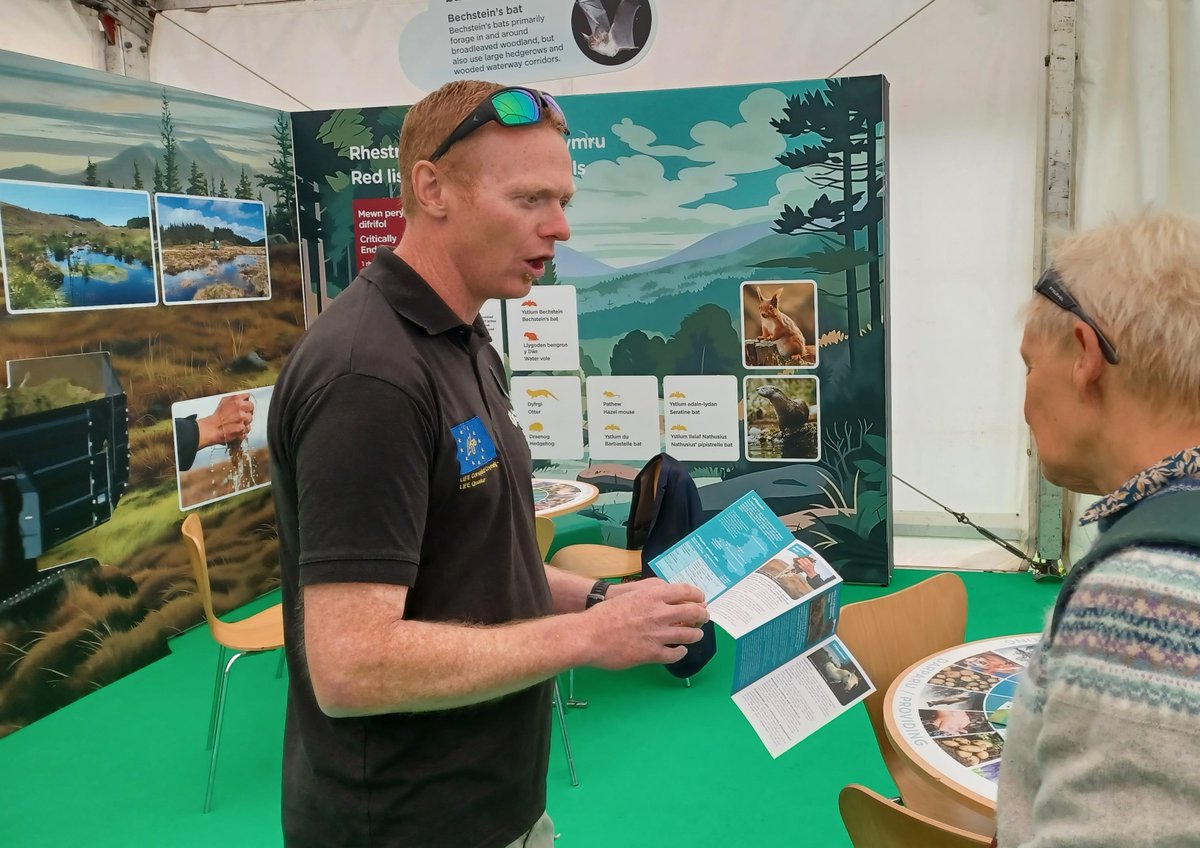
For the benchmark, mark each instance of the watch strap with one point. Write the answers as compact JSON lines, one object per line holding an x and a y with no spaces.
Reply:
{"x":596,"y":594}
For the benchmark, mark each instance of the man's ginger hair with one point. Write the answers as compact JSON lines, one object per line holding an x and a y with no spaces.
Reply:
{"x":434,"y":117}
{"x":1140,"y":281}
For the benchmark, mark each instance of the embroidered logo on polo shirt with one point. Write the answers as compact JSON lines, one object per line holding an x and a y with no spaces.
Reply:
{"x":476,"y":452}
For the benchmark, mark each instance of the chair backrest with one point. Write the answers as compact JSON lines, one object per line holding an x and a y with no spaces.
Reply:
{"x":889,"y":634}
{"x":875,"y":822}
{"x":544,"y":529}
{"x":193,"y":538}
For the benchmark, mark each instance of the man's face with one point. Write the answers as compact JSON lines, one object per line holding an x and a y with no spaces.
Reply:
{"x":507,"y":214}
{"x":1058,"y":420}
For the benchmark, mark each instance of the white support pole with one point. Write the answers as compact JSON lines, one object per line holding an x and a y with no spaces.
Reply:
{"x":1049,"y":543}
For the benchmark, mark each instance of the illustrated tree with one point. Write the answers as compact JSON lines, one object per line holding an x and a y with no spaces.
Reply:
{"x":90,"y":177}
{"x":282,"y":181}
{"x":196,"y":182}
{"x":705,"y":343}
{"x":587,"y":366}
{"x":638,"y":353}
{"x":159,"y":185}
{"x":865,"y":100}
{"x":843,"y":121}
{"x":223,"y":191}
{"x":170,"y":158}
{"x":244,"y":190}
{"x":137,"y":178}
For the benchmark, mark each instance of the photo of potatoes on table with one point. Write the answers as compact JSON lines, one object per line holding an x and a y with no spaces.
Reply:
{"x":973,"y":750}
{"x":960,"y":676}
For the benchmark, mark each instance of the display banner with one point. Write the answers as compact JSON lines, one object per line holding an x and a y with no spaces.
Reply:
{"x":151,"y":291}
{"x":722,"y":297}
{"x":524,"y":40}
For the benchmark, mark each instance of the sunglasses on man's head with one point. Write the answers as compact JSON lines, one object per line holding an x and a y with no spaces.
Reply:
{"x":1050,"y":286}
{"x":509,"y":107}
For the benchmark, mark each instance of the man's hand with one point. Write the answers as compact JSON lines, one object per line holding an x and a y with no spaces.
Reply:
{"x":645,"y":622}
{"x":229,"y":422}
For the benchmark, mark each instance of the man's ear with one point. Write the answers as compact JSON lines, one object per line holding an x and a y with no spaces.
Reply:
{"x":1089,"y":358}
{"x":429,"y":189}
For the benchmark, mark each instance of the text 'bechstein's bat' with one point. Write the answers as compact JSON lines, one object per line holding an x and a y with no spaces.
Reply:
{"x":605,"y":38}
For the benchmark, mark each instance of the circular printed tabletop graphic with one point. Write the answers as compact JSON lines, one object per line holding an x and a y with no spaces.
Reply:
{"x":949,"y":712}
{"x":558,"y":497}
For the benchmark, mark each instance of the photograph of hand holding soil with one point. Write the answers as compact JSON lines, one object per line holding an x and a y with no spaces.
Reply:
{"x":75,"y":247}
{"x":221,"y":445}
{"x":212,"y":249}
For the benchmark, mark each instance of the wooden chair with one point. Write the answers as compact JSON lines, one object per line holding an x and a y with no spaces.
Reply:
{"x":544,"y":529}
{"x":889,"y":634}
{"x":875,"y":822}
{"x":596,"y":562}
{"x":262,"y":631}
{"x":603,"y":562}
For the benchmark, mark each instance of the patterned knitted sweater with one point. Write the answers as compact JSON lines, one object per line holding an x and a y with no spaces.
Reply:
{"x":1103,"y":742}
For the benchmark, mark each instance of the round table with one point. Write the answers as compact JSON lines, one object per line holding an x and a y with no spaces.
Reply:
{"x":946,"y":714}
{"x":553,"y":497}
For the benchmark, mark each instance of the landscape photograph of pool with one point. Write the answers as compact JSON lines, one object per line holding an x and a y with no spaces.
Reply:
{"x":75,"y":247}
{"x":212,"y":249}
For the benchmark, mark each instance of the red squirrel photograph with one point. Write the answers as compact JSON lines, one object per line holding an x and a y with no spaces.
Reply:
{"x":779,"y":324}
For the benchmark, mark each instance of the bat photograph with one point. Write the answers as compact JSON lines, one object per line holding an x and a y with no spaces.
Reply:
{"x":611,"y":32}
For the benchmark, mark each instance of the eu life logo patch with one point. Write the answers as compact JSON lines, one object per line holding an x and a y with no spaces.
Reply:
{"x":473,"y":445}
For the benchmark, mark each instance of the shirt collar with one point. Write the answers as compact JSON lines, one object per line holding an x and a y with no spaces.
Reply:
{"x":413,"y":298}
{"x":1168,"y":473}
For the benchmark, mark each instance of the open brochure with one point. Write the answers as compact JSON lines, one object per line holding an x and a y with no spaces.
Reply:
{"x":779,"y":599}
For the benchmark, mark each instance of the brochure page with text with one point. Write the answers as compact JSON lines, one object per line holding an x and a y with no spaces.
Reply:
{"x":779,"y":599}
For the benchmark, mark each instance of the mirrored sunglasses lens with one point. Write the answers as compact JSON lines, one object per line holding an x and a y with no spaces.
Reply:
{"x":515,"y":108}
{"x":554,"y":107}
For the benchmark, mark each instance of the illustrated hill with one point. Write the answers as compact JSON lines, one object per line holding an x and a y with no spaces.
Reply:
{"x":120,"y":168}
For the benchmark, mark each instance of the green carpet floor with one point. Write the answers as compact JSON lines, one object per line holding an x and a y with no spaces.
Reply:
{"x":658,"y":764}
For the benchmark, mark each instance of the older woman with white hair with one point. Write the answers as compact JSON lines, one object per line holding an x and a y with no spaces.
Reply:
{"x":1103,"y":744}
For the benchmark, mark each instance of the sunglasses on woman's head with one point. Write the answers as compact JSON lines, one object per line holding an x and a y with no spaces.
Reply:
{"x":509,"y":107}
{"x":1050,"y":286}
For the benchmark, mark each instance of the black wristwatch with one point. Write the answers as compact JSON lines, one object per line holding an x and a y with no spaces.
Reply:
{"x":596,"y":594}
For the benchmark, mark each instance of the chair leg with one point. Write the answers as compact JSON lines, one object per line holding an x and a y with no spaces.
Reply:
{"x":282,"y":662}
{"x":687,"y":681}
{"x":212,"y":715}
{"x":562,"y":723}
{"x":216,"y":746}
{"x":572,"y":702}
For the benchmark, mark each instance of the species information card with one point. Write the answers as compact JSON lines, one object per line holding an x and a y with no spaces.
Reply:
{"x":779,"y":599}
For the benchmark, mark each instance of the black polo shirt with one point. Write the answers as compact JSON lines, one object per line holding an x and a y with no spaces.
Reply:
{"x":395,"y":458}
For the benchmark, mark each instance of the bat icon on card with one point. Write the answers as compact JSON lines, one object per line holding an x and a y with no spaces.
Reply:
{"x":610,"y":37}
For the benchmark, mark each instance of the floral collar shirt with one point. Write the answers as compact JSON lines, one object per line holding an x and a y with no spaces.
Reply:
{"x":1178,"y":471}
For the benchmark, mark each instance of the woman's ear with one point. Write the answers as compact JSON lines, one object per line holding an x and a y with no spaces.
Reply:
{"x":1089,"y":358}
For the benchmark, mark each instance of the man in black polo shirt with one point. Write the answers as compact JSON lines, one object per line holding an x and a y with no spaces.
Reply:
{"x":421,"y":625}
